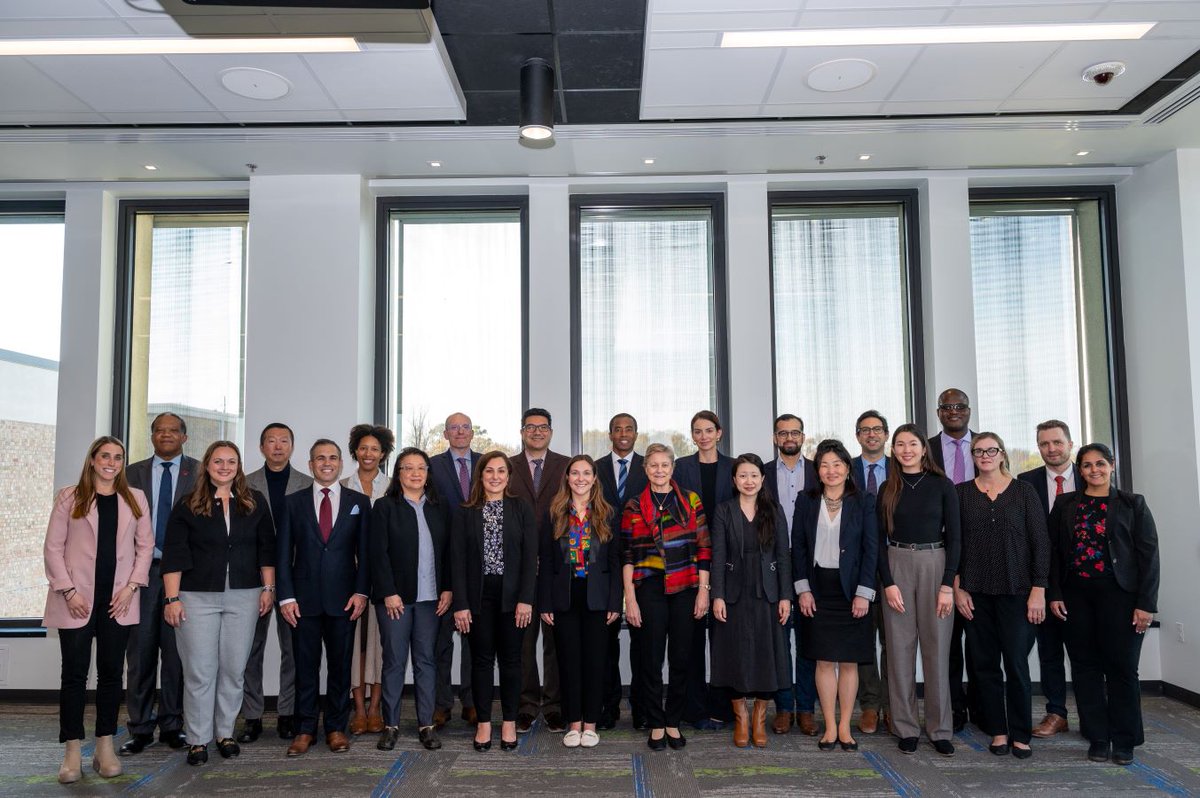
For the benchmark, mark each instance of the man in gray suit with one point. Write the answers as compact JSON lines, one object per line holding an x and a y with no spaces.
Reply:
{"x":166,"y":478}
{"x":275,"y":480}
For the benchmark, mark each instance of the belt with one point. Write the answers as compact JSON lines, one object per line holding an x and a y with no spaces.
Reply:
{"x":917,"y":546}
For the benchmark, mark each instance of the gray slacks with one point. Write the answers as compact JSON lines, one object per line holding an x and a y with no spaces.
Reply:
{"x":415,"y":631}
{"x":214,"y":643}
{"x":252,"y":699}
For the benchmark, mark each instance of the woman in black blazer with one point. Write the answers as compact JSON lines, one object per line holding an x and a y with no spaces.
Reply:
{"x":218,"y":568}
{"x":410,"y":584}
{"x":579,"y":587}
{"x":752,"y":599}
{"x":835,"y":547}
{"x":494,"y":579}
{"x":1104,"y":575}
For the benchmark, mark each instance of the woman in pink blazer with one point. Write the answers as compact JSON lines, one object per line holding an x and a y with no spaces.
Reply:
{"x":98,"y":549}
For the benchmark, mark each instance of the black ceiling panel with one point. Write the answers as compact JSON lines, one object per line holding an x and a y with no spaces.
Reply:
{"x":490,"y":16}
{"x":603,"y":107}
{"x":493,"y":63}
{"x":500,"y":108}
{"x":599,"y":15}
{"x":600,"y":60}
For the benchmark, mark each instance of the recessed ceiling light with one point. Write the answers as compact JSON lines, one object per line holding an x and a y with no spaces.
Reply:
{"x":436,"y":164}
{"x":151,"y":167}
{"x":1082,"y":153}
{"x":180,"y":45}
{"x":648,"y":161}
{"x":948,"y":34}
{"x":864,"y":157}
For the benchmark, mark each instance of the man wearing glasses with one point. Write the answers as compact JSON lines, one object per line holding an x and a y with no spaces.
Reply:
{"x":787,"y":476}
{"x":537,"y":476}
{"x":869,"y":471}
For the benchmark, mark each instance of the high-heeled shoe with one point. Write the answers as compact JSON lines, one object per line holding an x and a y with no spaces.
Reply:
{"x":848,"y":746}
{"x":827,"y":745}
{"x":506,"y":745}
{"x":484,"y":746}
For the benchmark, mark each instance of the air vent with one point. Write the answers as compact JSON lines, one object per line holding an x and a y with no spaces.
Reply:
{"x":1170,"y":109}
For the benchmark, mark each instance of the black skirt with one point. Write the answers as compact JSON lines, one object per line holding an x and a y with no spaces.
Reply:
{"x":833,"y":634}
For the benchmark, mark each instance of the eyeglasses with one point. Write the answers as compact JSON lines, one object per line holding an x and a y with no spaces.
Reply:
{"x":790,"y":433}
{"x":876,"y":430}
{"x":458,"y":428}
{"x":418,"y":469}
{"x":959,"y":406}
{"x":536,"y":428}
{"x":991,"y":451}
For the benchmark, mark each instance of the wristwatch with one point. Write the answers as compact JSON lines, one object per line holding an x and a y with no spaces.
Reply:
{"x":170,"y":599}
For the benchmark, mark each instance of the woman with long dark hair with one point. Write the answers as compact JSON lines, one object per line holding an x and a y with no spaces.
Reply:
{"x":98,"y":549}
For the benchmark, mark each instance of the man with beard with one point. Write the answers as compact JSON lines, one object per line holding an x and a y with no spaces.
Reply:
{"x":868,"y":471}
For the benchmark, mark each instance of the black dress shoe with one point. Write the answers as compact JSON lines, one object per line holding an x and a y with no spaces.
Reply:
{"x":657,"y":745}
{"x":136,"y":744}
{"x":606,"y":723}
{"x":999,"y":750}
{"x":251,"y":731}
{"x":387,"y":738}
{"x":228,"y":748}
{"x":197,"y":755}
{"x":554,"y":722}
{"x":1098,"y":751}
{"x":676,"y":742}
{"x":482,"y":746}
{"x":173,"y":739}
{"x":524,"y":722}
{"x":848,"y":746}
{"x":429,"y":738}
{"x":1022,"y":753}
{"x":907,"y":745}
{"x":640,"y":724}
{"x":1122,"y":757}
{"x":286,"y":727}
{"x":507,"y":745}
{"x":944,"y":747}
{"x":826,"y":745}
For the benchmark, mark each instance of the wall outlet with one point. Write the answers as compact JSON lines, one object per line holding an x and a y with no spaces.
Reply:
{"x":1179,"y":632}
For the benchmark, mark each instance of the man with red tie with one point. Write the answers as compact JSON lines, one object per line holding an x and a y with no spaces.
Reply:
{"x":323,"y":582}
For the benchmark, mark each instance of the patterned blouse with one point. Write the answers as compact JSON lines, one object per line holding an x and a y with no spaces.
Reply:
{"x":672,"y":542}
{"x":1090,"y":558}
{"x":493,"y":538}
{"x":579,"y":532}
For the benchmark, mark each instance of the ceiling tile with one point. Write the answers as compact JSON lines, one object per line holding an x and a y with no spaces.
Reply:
{"x":602,"y":107}
{"x":1025,"y":14}
{"x":1146,"y":62}
{"x":1061,"y":106}
{"x":940,"y":107}
{"x":590,"y":15}
{"x":61,"y":28}
{"x":690,"y":6}
{"x":26,"y":89}
{"x":694,"y":77}
{"x":136,"y":8}
{"x":165,"y":118}
{"x":874,"y":18}
{"x":971,"y":71}
{"x":805,"y":110}
{"x":489,"y":16}
{"x":749,"y":20}
{"x":500,"y":108}
{"x":54,"y":9}
{"x":263,"y":115}
{"x":701,"y":111}
{"x":416,"y":79}
{"x":838,"y":5}
{"x":600,"y":60}
{"x":155,"y":26}
{"x":204,"y":73}
{"x":123,"y":83}
{"x":493,"y":63}
{"x":1149,"y":12}
{"x":671,"y":40}
{"x":790,"y":86}
{"x":49,"y":118}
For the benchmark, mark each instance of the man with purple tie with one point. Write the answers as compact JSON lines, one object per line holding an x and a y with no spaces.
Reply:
{"x":868,"y":471}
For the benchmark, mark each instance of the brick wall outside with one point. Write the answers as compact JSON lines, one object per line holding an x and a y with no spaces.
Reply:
{"x":26,"y":493}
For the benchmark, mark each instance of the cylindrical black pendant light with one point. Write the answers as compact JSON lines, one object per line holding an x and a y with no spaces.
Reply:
{"x":537,"y":99}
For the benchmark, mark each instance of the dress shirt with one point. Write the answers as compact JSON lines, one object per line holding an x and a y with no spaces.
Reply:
{"x":880,"y":471}
{"x":616,"y":467}
{"x":1052,"y":485}
{"x":949,"y":447}
{"x":156,"y":472}
{"x":791,"y":484}
{"x":827,"y":550}
{"x":426,"y":572}
{"x":335,"y":500}
{"x":534,"y":462}
{"x":379,"y":486}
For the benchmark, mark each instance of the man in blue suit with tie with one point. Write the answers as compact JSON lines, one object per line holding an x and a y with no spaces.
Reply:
{"x":323,"y":583}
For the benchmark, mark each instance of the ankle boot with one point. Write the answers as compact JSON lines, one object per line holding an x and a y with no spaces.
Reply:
{"x":105,"y":761}
{"x":758,"y":723}
{"x":741,"y":723}
{"x":71,"y":770}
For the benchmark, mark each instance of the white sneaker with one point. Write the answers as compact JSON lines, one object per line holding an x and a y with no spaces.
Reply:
{"x":571,"y":739}
{"x":589,"y":739}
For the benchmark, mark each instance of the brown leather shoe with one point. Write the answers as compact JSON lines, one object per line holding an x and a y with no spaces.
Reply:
{"x":807,"y":723}
{"x":358,"y":725}
{"x":375,"y":724}
{"x":869,"y":722}
{"x":741,"y":723}
{"x":783,"y":722}
{"x":440,"y":718}
{"x":1051,"y":725}
{"x":758,"y":723}
{"x":887,"y":723}
{"x":338,"y":742}
{"x":470,"y":716}
{"x":300,"y":745}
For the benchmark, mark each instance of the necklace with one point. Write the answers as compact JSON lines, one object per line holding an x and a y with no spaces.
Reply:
{"x":913,"y":484}
{"x":833,"y":504}
{"x":661,"y":506}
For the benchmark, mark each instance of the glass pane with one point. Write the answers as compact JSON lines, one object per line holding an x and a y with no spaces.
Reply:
{"x":646,"y":310}
{"x":188,"y":338}
{"x":31,"y":265}
{"x":839,"y":287}
{"x":455,"y":300}
{"x":1040,"y":322}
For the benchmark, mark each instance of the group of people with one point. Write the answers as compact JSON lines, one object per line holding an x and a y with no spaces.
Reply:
{"x":702,"y":555}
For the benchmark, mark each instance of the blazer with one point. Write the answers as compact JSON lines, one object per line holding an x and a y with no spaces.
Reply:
{"x":521,"y":481}
{"x":858,"y":473}
{"x":635,"y":481}
{"x":771,"y":478}
{"x":322,"y":576}
{"x":396,"y":546}
{"x":444,"y":473}
{"x":858,"y":538}
{"x":687,"y":474}
{"x":555,"y":572}
{"x":1132,"y":545}
{"x":1037,"y":478}
{"x":729,"y":568}
{"x":140,"y":475}
{"x":70,"y":554}
{"x":520,"y":557}
{"x":200,"y":548}
{"x":296,"y":481}
{"x":935,"y":450}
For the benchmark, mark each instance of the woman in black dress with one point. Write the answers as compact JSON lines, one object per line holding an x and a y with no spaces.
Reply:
{"x":835,"y":546}
{"x":752,"y":599}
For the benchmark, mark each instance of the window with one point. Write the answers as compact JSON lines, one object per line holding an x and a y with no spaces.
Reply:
{"x":1041,"y":318}
{"x":182,"y":322}
{"x":844,"y":297}
{"x":31,"y":265}
{"x":645,"y":277}
{"x":453,"y":321}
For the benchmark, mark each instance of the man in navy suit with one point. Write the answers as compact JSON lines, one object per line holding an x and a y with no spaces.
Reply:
{"x":451,"y":473}
{"x":1056,"y":477}
{"x":323,"y":582}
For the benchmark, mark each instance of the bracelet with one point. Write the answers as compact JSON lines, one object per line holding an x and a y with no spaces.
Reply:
{"x":268,"y":588}
{"x":132,"y":587}
{"x":68,"y":594}
{"x":706,"y":587}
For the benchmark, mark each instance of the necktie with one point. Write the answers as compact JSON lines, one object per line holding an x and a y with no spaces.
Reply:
{"x":325,"y":517}
{"x":622,"y":475}
{"x":163,"y":510}
{"x":464,"y":478}
{"x":1058,"y":484}
{"x":960,"y":463}
{"x":872,"y":483}
{"x":537,"y":475}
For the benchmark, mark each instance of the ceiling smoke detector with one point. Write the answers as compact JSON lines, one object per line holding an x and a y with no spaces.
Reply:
{"x":1103,"y":74}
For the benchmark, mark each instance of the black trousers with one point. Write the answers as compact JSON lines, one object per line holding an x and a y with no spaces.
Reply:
{"x":1001,"y":633}
{"x":495,"y":637}
{"x":581,"y":640}
{"x":336,"y":632}
{"x":76,"y":647}
{"x":1052,"y":658}
{"x":150,"y":642}
{"x":703,"y":700}
{"x":667,"y":629}
{"x":962,"y":697}
{"x":1105,"y":651}
{"x":610,"y":705}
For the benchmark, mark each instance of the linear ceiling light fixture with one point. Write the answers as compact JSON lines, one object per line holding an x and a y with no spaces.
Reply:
{"x":948,"y":34}
{"x":179,"y":46}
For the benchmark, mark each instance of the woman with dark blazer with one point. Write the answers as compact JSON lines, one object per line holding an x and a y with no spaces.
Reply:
{"x":494,"y":580}
{"x":1104,"y":575}
{"x":835,"y":547}
{"x":410,"y":585}
{"x":579,"y":592}
{"x":751,"y":600}
{"x":218,"y":569}
{"x":98,"y":548}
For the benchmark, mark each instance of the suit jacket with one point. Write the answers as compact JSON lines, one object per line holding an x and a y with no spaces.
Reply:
{"x":555,"y":572}
{"x":70,"y":554}
{"x":858,"y":552}
{"x":296,"y":481}
{"x":1037,"y":478}
{"x":935,"y":450}
{"x":201,"y":549}
{"x":520,"y":557}
{"x":730,"y":570}
{"x":396,"y":547}
{"x":140,"y":475}
{"x":322,"y":576}
{"x":521,"y":482}
{"x":635,"y":481}
{"x":1132,"y":545}
{"x":858,"y":473}
{"x":444,"y":473}
{"x":771,"y":478}
{"x":687,"y":474}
